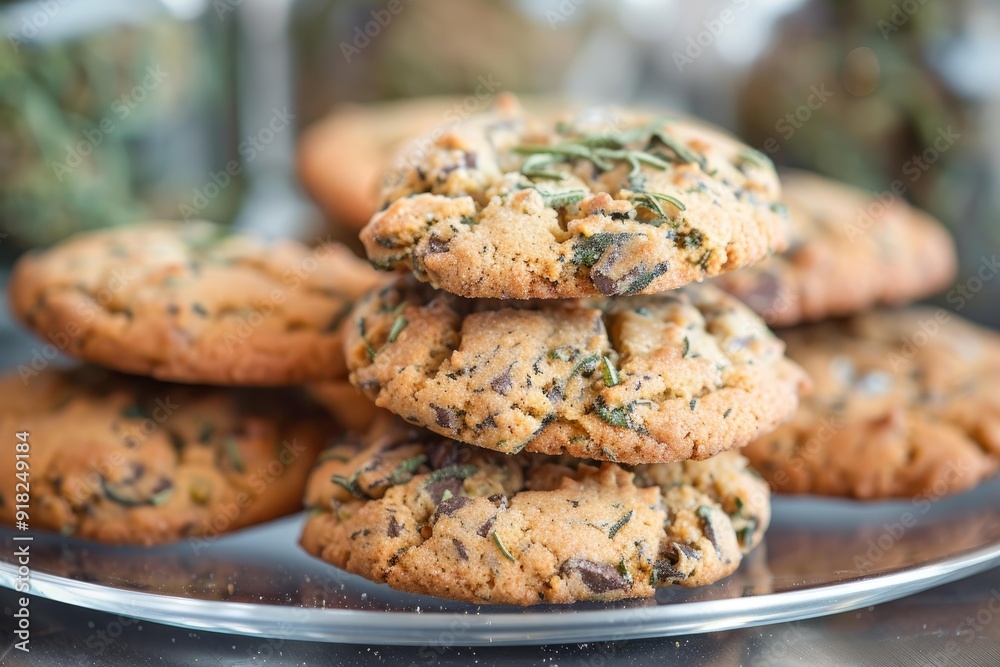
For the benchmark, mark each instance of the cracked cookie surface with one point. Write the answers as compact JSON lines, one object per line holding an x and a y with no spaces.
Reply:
{"x":849,"y":252}
{"x":666,"y":377}
{"x":612,"y":203}
{"x":126,"y":460}
{"x":906,"y":404}
{"x":425,"y":514}
{"x":193,"y":303}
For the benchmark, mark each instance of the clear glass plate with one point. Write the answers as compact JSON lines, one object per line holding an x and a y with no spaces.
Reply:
{"x":820,"y":557}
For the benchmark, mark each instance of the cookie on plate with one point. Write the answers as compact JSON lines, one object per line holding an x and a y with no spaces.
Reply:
{"x":906,"y":404}
{"x":193,"y":303}
{"x":127,"y":460}
{"x":428,"y":515}
{"x":610,"y":202}
{"x":648,"y":379}
{"x":849,"y":252}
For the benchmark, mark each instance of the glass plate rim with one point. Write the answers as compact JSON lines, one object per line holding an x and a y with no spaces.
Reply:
{"x":351,"y":626}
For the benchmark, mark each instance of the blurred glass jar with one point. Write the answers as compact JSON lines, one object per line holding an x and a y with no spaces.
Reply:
{"x":894,"y":94}
{"x":360,"y":50}
{"x":110,"y":112}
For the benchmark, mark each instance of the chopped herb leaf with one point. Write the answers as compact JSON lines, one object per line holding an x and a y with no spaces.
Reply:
{"x":587,"y":366}
{"x":397,"y":327}
{"x":404,"y":471}
{"x":727,"y":413}
{"x":451,"y":472}
{"x":621,"y":522}
{"x":503,"y":549}
{"x":611,"y":377}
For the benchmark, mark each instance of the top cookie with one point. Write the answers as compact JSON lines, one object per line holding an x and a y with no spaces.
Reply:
{"x":193,"y":303}
{"x":907,"y":404}
{"x":609,"y":203}
{"x":666,"y":377}
{"x":849,"y":252}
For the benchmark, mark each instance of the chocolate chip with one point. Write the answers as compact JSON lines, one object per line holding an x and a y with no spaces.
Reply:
{"x":437,"y":488}
{"x":394,"y":526}
{"x":437,"y":245}
{"x":443,"y":454}
{"x":487,"y":526}
{"x":706,"y":515}
{"x":445,"y":417}
{"x":460,"y":548}
{"x":451,"y":505}
{"x":598,"y":577}
{"x":502,"y":383}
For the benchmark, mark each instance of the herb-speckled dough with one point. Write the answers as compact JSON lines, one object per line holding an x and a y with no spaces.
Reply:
{"x":611,"y":203}
{"x":907,"y":404}
{"x":126,"y":460}
{"x":192,"y":303}
{"x":427,"y":515}
{"x":849,"y":252}
{"x":646,"y":379}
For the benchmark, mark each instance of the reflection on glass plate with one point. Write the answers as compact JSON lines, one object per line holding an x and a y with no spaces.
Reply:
{"x":820,"y":557}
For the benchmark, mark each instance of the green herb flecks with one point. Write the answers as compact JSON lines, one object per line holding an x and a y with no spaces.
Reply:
{"x":687,"y":348}
{"x":233,"y":454}
{"x":364,"y":333}
{"x":586,"y":367}
{"x":451,"y":472}
{"x":620,"y":524}
{"x":588,"y":250}
{"x":561,"y":199}
{"x":397,"y":327}
{"x":404,"y":471}
{"x":160,"y":498}
{"x":727,"y":413}
{"x":755,"y":157}
{"x":611,"y":377}
{"x":623,"y":570}
{"x":501,"y":547}
{"x":620,"y":416}
{"x":651,"y":202}
{"x":350,"y":484}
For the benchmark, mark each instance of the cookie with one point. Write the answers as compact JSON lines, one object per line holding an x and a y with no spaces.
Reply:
{"x":906,"y":404}
{"x":348,"y":405}
{"x":193,"y":303}
{"x":425,"y":514}
{"x":849,"y":252}
{"x":649,"y":379}
{"x":601,"y":203}
{"x":127,"y":460}
{"x":342,"y":157}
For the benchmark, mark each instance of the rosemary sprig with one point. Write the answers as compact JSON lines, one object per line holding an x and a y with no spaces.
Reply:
{"x":651,"y":202}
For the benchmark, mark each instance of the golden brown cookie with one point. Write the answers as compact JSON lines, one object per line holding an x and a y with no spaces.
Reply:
{"x":849,"y":252}
{"x":906,"y":404}
{"x":667,"y":377}
{"x":128,"y":460}
{"x":193,"y":303}
{"x":611,"y":203}
{"x":427,"y":515}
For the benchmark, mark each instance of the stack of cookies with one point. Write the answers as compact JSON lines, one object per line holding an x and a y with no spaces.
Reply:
{"x":572,"y":403}
{"x":140,"y":458}
{"x":907,"y":399}
{"x":550,"y":400}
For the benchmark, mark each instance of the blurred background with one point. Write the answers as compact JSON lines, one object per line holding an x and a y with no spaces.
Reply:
{"x":113,"y":111}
